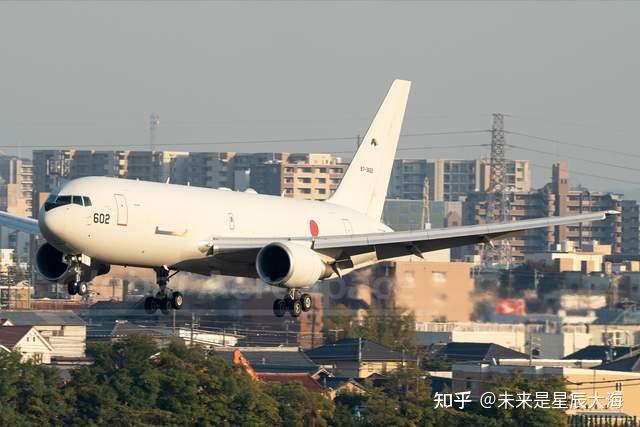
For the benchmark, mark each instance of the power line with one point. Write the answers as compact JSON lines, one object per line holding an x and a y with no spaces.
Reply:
{"x":254,"y":141}
{"x":573,"y":144}
{"x":595,"y":162}
{"x":605,"y":178}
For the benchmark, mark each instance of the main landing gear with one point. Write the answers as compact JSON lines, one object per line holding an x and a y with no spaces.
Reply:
{"x":294,"y":302}
{"x":77,"y":286}
{"x":163,"y":299}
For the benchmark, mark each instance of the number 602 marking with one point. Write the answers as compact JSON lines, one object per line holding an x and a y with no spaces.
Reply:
{"x":101,"y":218}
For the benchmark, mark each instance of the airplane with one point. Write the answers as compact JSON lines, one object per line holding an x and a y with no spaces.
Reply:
{"x":94,"y":222}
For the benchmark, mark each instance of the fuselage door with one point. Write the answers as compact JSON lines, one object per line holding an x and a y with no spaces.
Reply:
{"x":123,"y":211}
{"x":348,"y":229}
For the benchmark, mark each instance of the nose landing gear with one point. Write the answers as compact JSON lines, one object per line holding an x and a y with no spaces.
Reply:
{"x":294,"y":302}
{"x":164,"y":299}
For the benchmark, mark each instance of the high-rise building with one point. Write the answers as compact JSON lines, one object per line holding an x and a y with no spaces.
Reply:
{"x":16,"y":197}
{"x":557,"y":198}
{"x":451,"y":180}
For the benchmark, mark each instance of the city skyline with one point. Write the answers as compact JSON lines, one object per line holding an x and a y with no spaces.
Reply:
{"x":102,"y":87}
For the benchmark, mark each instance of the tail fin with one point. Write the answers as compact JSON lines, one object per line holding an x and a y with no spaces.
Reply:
{"x":364,"y":186}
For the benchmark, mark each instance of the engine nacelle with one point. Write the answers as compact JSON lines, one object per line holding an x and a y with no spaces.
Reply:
{"x":290,"y":265}
{"x":52,"y":265}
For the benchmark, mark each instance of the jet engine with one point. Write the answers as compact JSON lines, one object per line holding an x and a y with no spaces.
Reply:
{"x":290,"y":265}
{"x":52,"y":266}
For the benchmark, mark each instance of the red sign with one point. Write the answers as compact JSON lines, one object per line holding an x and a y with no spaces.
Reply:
{"x":510,"y":306}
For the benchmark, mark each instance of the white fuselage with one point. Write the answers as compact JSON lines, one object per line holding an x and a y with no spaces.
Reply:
{"x":148,"y":224}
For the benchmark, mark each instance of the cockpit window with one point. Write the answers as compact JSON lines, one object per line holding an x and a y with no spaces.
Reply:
{"x":54,"y":201}
{"x":63,"y":200}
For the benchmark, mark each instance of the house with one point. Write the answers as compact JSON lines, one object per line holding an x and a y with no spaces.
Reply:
{"x":27,"y":341}
{"x":274,"y":360}
{"x":63,"y":329}
{"x":478,"y":352}
{"x":477,"y":378}
{"x":356,"y":357}
{"x":333,"y":386}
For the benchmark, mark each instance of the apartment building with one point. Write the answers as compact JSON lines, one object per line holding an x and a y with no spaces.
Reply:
{"x":557,"y":198}
{"x":16,"y":197}
{"x":451,"y":179}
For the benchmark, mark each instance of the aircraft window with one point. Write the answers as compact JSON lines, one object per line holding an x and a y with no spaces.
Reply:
{"x":63,"y":200}
{"x":77,"y":200}
{"x":87,"y":201}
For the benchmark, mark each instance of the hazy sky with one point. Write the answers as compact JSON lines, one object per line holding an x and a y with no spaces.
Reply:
{"x":89,"y":74}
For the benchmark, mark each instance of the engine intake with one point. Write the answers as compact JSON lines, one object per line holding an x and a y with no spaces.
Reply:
{"x":50,"y":263}
{"x":290,"y":265}
{"x":52,"y":266}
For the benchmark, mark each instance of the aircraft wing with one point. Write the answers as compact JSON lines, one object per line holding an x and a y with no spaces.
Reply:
{"x":400,"y":243}
{"x":20,"y":223}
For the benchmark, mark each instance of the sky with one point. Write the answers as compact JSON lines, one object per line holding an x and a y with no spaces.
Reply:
{"x":301,"y":76}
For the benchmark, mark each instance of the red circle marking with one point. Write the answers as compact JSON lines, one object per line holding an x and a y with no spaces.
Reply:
{"x":313,"y":227}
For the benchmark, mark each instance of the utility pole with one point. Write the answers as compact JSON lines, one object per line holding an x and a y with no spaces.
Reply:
{"x":426,"y":208}
{"x":497,"y":204}
{"x":194,"y":324}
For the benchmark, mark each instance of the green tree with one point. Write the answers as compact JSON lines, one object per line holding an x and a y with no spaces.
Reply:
{"x":298,"y":407}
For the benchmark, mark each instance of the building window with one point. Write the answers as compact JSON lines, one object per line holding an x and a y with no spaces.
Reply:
{"x":439,"y":276}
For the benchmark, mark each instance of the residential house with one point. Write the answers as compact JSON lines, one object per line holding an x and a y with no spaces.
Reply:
{"x":357,"y":358}
{"x":27,"y":341}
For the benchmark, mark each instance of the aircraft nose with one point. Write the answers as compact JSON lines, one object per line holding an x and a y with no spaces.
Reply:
{"x":52,"y":225}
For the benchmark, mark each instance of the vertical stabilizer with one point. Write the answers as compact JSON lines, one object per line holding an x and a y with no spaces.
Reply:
{"x":364,"y":186}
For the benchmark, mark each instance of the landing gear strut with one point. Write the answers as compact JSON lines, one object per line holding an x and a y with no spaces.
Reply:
{"x":77,"y":286}
{"x":164,"y":299}
{"x":294,"y":302}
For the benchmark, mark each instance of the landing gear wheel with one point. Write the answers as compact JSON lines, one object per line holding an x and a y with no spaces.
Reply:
{"x":72,"y":288}
{"x":295,"y":308}
{"x":177,"y":300}
{"x":166,"y":305}
{"x":82,"y":288}
{"x":150,"y":305}
{"x":306,"y":301}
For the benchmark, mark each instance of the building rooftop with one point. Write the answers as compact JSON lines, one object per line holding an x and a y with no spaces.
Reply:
{"x":477,"y":352}
{"x":273,"y":359}
{"x":600,"y":352}
{"x":348,"y":350}
{"x":42,"y":317}
{"x":11,"y":335}
{"x":306,"y":380}
{"x":630,"y":362}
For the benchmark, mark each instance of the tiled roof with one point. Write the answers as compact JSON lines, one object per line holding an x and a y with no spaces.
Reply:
{"x":273,"y":360}
{"x":599,"y":352}
{"x":43,"y":317}
{"x":305,"y":379}
{"x":347,"y":350}
{"x":11,"y":335}
{"x":627,"y":363}
{"x":477,"y":352}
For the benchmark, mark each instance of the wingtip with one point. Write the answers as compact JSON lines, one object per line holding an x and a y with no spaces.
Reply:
{"x":611,"y":212}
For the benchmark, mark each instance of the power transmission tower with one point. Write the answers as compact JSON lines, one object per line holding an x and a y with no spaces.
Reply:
{"x":497,"y":206}
{"x":154,"y":122}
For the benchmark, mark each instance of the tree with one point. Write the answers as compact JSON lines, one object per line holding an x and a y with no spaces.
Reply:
{"x":298,"y":407}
